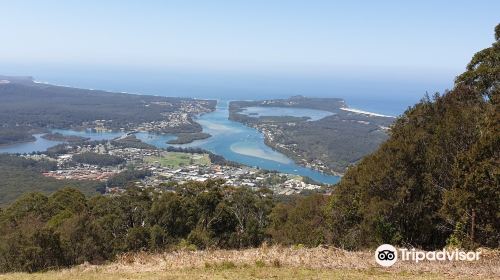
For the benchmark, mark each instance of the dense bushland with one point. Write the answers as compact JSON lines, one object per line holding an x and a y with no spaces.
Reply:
{"x":66,"y":228}
{"x":19,"y":175}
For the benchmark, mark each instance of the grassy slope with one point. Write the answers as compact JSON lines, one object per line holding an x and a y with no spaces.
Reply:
{"x":228,"y":273}
{"x":269,"y":263}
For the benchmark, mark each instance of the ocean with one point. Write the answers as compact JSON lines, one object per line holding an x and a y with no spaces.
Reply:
{"x":387,"y":94}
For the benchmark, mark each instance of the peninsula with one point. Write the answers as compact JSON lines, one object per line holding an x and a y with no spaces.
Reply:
{"x":28,"y":105}
{"x":340,"y":138}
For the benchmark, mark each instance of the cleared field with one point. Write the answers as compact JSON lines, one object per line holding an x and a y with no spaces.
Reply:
{"x":269,"y":263}
{"x":175,"y":159}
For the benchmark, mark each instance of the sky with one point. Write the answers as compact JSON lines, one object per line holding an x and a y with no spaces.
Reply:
{"x":421,"y":38}
{"x":381,"y":56}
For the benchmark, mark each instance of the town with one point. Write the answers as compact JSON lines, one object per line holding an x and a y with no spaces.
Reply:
{"x":162,"y":166}
{"x":176,"y":118}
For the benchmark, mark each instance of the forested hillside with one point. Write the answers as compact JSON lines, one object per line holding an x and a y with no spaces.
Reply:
{"x":435,"y":181}
{"x":19,"y":175}
{"x":41,"y":105}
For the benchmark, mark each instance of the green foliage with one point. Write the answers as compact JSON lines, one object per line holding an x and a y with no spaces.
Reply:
{"x":301,"y":221}
{"x":484,"y":68}
{"x":39,"y":232}
{"x":137,"y":238}
{"x":185,"y":245}
{"x":131,"y":141}
{"x":158,"y":238}
{"x":436,"y":180}
{"x":457,"y":237}
{"x":199,"y":238}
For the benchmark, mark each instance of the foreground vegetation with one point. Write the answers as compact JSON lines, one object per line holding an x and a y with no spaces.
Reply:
{"x":269,"y":262}
{"x":245,"y":272}
{"x":39,"y":232}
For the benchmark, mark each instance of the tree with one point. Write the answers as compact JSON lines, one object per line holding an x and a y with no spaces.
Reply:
{"x":471,"y":207}
{"x":437,"y":174}
{"x":483,"y":71}
{"x":137,"y":238}
{"x":301,"y":222}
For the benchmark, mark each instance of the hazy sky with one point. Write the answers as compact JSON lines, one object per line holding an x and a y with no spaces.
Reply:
{"x":311,"y":36}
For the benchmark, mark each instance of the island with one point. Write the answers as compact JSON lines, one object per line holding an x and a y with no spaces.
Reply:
{"x":186,"y":138}
{"x":64,"y":138}
{"x":332,"y":143}
{"x":10,"y":136}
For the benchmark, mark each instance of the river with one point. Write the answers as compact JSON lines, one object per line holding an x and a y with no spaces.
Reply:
{"x":232,"y":140}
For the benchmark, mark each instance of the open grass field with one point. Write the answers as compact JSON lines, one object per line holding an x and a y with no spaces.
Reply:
{"x":176,"y":160}
{"x":216,"y":274}
{"x":269,"y":263}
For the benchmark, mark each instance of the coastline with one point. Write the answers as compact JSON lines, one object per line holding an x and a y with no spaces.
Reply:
{"x":294,"y":157}
{"x":345,"y":130}
{"x":365,"y":112}
{"x":195,"y":128}
{"x":160,"y":114}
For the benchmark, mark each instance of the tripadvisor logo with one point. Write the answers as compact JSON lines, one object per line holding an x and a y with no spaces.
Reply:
{"x":386,"y":255}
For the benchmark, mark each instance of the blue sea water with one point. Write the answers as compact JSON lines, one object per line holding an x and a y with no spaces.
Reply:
{"x":381,"y":92}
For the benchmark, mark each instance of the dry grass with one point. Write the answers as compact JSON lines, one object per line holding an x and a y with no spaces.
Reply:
{"x":271,"y":262}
